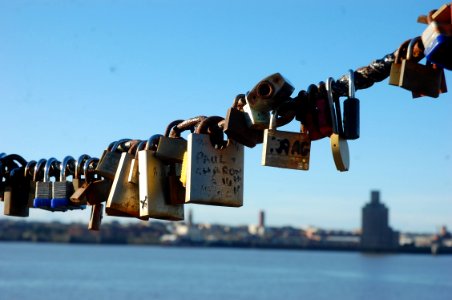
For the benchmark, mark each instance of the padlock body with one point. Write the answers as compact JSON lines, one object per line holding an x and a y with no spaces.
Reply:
{"x":43,"y":195}
{"x":237,"y":128}
{"x":214,"y":176}
{"x":283,"y":149}
{"x":256,"y":119}
{"x":340,"y":150}
{"x":269,"y":93}
{"x":394,"y":75}
{"x":351,"y":119}
{"x":171,"y":149}
{"x":16,"y":196}
{"x":153,"y":189}
{"x":108,"y":165}
{"x":420,"y":78}
{"x":437,"y":40}
{"x":123,"y":196}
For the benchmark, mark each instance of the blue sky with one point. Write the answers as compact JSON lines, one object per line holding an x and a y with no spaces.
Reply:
{"x":76,"y":75}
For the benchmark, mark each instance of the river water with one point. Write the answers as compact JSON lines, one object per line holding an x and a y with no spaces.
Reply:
{"x":54,"y":271}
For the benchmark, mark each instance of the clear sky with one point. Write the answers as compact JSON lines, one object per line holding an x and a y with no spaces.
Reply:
{"x":76,"y":75}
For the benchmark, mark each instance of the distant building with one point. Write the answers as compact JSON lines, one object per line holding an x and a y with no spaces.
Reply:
{"x":261,"y":219}
{"x":190,"y":218}
{"x":376,"y":233}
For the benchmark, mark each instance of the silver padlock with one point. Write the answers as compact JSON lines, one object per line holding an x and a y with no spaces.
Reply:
{"x":284,"y":149}
{"x":63,"y":189}
{"x":256,"y":119}
{"x":43,"y":195}
{"x":269,"y":93}
{"x":214,"y":172}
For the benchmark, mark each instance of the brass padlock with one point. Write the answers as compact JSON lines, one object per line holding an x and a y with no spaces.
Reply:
{"x":29,"y":173}
{"x":236,"y":126}
{"x":153,"y":187}
{"x":214,"y":171}
{"x":16,"y":193}
{"x":171,"y":146}
{"x":123,"y":198}
{"x":284,"y":149}
{"x":109,"y":161}
{"x":396,"y":67}
{"x":339,"y":145}
{"x":418,"y":78}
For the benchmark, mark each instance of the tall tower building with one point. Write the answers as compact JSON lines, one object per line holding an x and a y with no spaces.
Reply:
{"x":376,"y":234}
{"x":190,"y":217}
{"x":261,"y":219}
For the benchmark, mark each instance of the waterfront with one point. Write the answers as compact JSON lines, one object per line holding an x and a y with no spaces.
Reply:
{"x":61,"y":271}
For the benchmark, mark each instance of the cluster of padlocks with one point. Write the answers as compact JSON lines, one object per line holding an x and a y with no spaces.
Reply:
{"x":155,"y":178}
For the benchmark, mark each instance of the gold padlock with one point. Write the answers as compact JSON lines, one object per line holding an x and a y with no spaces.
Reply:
{"x":153,"y":188}
{"x":124,"y":197}
{"x":339,"y":145}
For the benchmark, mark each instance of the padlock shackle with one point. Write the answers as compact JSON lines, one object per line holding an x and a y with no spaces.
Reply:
{"x":11,"y":159}
{"x":411,"y":45}
{"x":78,"y":168}
{"x":170,"y":127}
{"x":39,"y":167}
{"x":28,"y":167}
{"x":329,"y":93}
{"x":211,"y":127}
{"x":152,"y":142}
{"x":351,"y":83}
{"x":51,"y":162}
{"x":89,"y":166}
{"x":236,"y":103}
{"x":65,"y":166}
{"x":401,"y":52}
{"x":141,"y":146}
{"x":189,"y":124}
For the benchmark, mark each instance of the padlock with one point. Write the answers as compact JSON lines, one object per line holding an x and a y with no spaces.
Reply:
{"x":283,"y":149}
{"x":110,"y":159}
{"x":236,"y":125}
{"x":437,"y":40}
{"x":29,"y":173}
{"x":256,"y":119}
{"x":310,"y":115}
{"x":85,"y":167}
{"x":62,"y":189}
{"x":269,"y":93}
{"x":324,"y":112}
{"x":396,"y":66}
{"x":77,"y":180}
{"x":437,"y":37}
{"x":339,"y":145}
{"x":43,"y":194}
{"x":8,"y":163}
{"x":420,"y":79}
{"x":133,"y":174}
{"x":16,"y":194}
{"x":153,"y":189}
{"x":214,"y":171}
{"x":96,"y":188}
{"x":123,"y":198}
{"x":351,"y":111}
{"x":96,"y":217}
{"x":171,"y":148}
